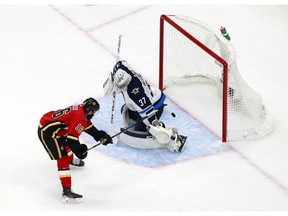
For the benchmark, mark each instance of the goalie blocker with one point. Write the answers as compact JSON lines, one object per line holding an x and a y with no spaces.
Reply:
{"x":156,"y":136}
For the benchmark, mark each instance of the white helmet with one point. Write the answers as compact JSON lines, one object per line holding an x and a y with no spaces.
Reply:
{"x":121,"y":78}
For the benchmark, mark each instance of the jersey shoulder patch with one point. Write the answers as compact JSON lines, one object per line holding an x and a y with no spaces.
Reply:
{"x":75,"y":107}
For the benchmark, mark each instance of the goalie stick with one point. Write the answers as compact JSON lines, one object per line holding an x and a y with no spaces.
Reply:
{"x":111,"y":128}
{"x":115,"y":135}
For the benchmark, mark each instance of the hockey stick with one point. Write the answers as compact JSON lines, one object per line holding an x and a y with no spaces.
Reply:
{"x":115,"y":135}
{"x":118,"y":47}
{"x":111,"y":128}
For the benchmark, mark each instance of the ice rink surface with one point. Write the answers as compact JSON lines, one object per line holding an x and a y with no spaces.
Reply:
{"x":52,"y":56}
{"x":200,"y":142}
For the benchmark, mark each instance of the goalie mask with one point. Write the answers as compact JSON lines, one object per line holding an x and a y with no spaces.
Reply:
{"x":116,"y":81}
{"x":90,"y":107}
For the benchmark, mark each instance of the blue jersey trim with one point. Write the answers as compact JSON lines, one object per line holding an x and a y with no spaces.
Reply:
{"x":160,"y":102}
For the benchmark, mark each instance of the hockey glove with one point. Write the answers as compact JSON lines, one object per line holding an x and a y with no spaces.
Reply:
{"x":106,"y":138}
{"x":83,"y":153}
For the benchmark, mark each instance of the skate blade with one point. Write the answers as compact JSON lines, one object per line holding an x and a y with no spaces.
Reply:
{"x":68,"y":200}
{"x":183,"y":142}
{"x":75,"y":165}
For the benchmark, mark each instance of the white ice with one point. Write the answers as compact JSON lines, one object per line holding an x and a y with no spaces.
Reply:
{"x":53,"y":56}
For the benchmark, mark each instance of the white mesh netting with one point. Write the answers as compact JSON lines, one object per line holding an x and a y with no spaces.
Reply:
{"x":186,"y":62}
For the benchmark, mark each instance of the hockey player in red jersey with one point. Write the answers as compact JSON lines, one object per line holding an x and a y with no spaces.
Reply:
{"x":59,"y":133}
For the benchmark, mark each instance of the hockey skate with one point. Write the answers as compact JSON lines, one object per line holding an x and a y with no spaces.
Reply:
{"x":77,"y":162}
{"x":177,"y":143}
{"x":69,"y":197}
{"x":182,"y":139}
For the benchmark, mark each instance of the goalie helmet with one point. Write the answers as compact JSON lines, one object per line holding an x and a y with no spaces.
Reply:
{"x":90,"y":107}
{"x":121,"y":78}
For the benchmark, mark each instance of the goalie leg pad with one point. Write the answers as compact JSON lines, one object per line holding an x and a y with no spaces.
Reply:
{"x":161,"y":134}
{"x":168,"y":136}
{"x":140,"y":139}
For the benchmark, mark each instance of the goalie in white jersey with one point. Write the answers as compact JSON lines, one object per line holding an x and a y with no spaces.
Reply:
{"x":143,"y":107}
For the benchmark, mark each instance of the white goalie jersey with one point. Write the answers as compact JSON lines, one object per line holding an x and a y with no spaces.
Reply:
{"x":138,"y":94}
{"x":144,"y":105}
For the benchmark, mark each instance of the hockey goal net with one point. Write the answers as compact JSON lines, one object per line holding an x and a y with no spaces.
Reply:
{"x":192,"y":52}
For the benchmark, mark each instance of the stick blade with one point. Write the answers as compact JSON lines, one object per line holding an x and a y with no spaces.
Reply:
{"x":112,"y":133}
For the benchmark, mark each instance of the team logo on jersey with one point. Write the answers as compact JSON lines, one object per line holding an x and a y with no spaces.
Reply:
{"x":135,"y":91}
{"x":79,"y":128}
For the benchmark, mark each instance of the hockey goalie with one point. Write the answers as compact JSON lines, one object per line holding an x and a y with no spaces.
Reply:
{"x":143,"y":108}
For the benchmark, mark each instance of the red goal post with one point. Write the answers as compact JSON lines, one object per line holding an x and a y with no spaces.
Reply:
{"x":192,"y":52}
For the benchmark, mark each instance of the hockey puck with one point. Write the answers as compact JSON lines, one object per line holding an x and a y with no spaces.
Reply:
{"x":173,"y":115}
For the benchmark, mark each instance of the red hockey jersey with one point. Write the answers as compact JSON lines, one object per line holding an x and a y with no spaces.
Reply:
{"x":70,"y":121}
